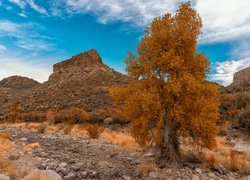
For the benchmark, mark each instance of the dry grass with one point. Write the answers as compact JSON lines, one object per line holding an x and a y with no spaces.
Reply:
{"x":5,"y":135}
{"x":6,"y":164}
{"x":94,"y":130}
{"x":32,"y":146}
{"x":223,"y":155}
{"x":145,"y":168}
{"x":121,"y":139}
{"x":80,"y":131}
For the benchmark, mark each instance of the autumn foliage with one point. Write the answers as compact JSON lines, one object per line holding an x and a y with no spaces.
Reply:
{"x":169,"y":95}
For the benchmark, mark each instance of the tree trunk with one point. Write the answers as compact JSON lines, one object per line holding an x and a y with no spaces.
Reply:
{"x":169,"y":152}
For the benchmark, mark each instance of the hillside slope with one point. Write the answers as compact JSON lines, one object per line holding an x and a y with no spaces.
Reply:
{"x":81,"y":81}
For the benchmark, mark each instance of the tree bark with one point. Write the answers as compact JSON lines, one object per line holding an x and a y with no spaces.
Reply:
{"x":168,"y":152}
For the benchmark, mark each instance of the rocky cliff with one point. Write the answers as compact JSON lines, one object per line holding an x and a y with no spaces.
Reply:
{"x":242,"y":78}
{"x":80,"y":81}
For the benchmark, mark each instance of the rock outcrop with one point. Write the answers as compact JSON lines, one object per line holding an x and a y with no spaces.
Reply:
{"x":242,"y":78}
{"x":82,"y":81}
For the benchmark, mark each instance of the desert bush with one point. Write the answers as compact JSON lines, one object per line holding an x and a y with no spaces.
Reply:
{"x":50,"y":116}
{"x":94,"y":130}
{"x":5,"y":135}
{"x":236,"y":108}
{"x":32,"y":117}
{"x":68,"y":128}
{"x":145,"y":168}
{"x":244,"y":119}
{"x":41,"y":128}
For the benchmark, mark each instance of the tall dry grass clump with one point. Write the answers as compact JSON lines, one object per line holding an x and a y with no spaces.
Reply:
{"x":94,"y":130}
{"x":121,"y":139}
{"x":225,"y":156}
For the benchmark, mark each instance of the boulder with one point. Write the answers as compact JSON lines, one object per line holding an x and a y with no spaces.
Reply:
{"x":44,"y":174}
{"x":4,"y":177}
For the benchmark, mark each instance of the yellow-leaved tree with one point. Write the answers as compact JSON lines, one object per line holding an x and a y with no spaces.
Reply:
{"x":168,"y":95}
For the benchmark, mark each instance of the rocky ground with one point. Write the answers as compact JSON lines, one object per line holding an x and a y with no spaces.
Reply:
{"x":81,"y":158}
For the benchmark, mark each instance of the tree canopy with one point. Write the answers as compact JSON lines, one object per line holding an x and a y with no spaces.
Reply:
{"x":168,"y":95}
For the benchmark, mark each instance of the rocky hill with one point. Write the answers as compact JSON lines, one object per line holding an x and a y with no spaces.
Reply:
{"x":81,"y":81}
{"x":13,"y":87}
{"x":242,"y":78}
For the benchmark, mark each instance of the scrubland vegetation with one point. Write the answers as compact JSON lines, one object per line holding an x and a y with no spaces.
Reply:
{"x":236,"y":109}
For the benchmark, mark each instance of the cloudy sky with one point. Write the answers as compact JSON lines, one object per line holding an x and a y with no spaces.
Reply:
{"x":35,"y":34}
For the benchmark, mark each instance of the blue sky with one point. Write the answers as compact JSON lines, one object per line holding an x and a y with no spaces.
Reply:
{"x":35,"y":34}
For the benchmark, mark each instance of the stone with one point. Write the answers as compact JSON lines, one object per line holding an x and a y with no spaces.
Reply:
{"x":152,"y":175}
{"x":108,"y":121}
{"x":242,"y":147}
{"x":84,"y":174}
{"x":169,"y":171}
{"x":23,"y":139}
{"x":4,"y":177}
{"x":248,"y":177}
{"x":198,"y":170}
{"x":62,"y":165}
{"x":125,"y":177}
{"x":45,"y":174}
{"x":70,"y":176}
{"x":149,"y":154}
{"x":104,"y":164}
{"x":195,"y":177}
{"x":75,"y":168}
{"x":211,"y":175}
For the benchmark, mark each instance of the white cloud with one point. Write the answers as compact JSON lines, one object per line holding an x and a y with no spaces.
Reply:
{"x":19,"y":3}
{"x":11,"y":66}
{"x":26,"y":35}
{"x":223,"y":20}
{"x":37,"y":8}
{"x":23,"y":14}
{"x":139,"y":12}
{"x":225,"y":70}
{"x":31,"y":3}
{"x":9,"y":28}
{"x":2,"y":48}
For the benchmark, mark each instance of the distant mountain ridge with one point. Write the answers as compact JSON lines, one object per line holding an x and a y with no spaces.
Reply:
{"x":80,"y":81}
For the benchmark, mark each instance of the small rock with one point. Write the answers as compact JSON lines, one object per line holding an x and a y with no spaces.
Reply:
{"x":125,"y":177}
{"x":65,"y":171}
{"x":84,"y":174}
{"x":62,"y":165}
{"x":108,"y":121}
{"x":152,"y":175}
{"x":149,"y":154}
{"x":211,"y":175}
{"x":195,"y":177}
{"x":23,"y":139}
{"x":198,"y":170}
{"x":104,"y":164}
{"x":248,"y":177}
{"x":169,"y":171}
{"x":4,"y":177}
{"x":94,"y":174}
{"x":70,"y":176}
{"x":75,"y":168}
{"x":43,"y":154}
